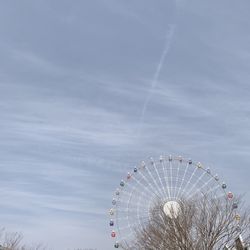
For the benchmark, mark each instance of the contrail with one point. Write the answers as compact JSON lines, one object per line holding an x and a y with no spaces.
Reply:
{"x":168,"y":39}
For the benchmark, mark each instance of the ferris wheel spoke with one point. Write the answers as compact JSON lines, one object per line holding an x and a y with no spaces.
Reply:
{"x":155,"y":183}
{"x":132,"y":209}
{"x":213,"y":189}
{"x":158,"y":195}
{"x":186,"y":194}
{"x":144,"y":219}
{"x":159,"y":178}
{"x":183,"y":178}
{"x":139,"y":219}
{"x":126,"y":211}
{"x":165,"y":171}
{"x":123,"y":199}
{"x":210,"y":190}
{"x":128,"y":204}
{"x":189,"y":180}
{"x":198,"y":180}
{"x":144,"y":194}
{"x":138,"y":214}
{"x":144,"y":187}
{"x":177,"y":178}
{"x":201,"y":188}
{"x":171,"y":177}
{"x":134,"y":221}
{"x":130,"y":229}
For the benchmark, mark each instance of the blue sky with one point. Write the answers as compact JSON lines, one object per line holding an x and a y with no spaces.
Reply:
{"x":90,"y":88}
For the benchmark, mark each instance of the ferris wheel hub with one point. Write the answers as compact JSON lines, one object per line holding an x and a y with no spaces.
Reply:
{"x":171,"y":209}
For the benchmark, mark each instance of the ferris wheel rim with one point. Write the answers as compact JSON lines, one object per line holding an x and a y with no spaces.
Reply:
{"x":158,"y":193}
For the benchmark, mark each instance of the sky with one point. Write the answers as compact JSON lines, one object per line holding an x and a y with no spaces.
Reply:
{"x":90,"y":88}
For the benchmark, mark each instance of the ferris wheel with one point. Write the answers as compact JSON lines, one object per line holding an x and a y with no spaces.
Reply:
{"x":168,"y":179}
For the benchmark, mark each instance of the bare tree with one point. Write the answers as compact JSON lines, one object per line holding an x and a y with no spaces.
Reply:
{"x":13,"y":241}
{"x":205,"y":224}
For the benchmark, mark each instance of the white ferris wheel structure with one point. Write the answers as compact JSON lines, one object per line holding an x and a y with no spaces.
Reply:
{"x":168,"y":179}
